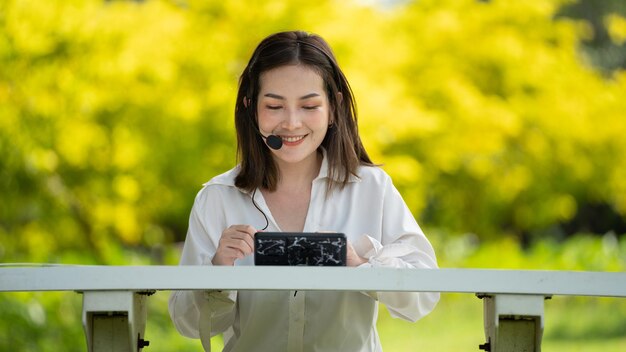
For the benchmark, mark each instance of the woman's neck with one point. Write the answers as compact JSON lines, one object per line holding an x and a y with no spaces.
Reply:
{"x":300,"y":175}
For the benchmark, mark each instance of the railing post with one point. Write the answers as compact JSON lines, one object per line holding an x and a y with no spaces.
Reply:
{"x":513,"y":323}
{"x":115,"y":321}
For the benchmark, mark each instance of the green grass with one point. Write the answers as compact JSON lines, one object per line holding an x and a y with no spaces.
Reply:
{"x":456,"y":324}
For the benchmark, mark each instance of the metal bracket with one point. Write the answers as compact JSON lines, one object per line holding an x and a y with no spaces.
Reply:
{"x":115,"y":320}
{"x":513,"y":323}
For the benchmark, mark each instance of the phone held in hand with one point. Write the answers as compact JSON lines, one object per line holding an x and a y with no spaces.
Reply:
{"x":300,"y":248}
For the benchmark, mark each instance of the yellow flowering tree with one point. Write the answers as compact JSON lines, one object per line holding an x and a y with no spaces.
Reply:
{"x":114,"y":113}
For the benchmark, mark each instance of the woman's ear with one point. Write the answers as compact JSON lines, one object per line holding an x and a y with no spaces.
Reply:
{"x":246,"y":102}
{"x":339,"y":97}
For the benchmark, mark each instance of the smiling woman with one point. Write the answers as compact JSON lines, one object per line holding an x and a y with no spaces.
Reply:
{"x":308,"y":52}
{"x":319,"y":178}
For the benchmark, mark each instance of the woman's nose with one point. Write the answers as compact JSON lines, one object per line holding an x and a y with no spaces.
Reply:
{"x":292,"y":120}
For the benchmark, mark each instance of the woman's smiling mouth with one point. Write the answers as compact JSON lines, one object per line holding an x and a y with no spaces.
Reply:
{"x":290,"y":140}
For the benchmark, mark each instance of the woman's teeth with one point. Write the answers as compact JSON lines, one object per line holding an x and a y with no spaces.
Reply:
{"x":292,"y":139}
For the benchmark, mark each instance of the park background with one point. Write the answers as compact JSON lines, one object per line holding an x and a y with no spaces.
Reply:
{"x":502,"y":124}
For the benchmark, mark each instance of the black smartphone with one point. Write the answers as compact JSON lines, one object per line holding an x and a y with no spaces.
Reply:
{"x":300,"y":248}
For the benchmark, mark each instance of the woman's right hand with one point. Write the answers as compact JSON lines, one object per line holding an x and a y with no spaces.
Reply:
{"x":236,"y":242}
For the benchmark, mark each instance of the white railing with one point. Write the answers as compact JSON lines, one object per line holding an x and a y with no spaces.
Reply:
{"x":114,"y":309}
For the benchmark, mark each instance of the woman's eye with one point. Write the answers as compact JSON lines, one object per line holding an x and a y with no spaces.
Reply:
{"x":311,"y":107}
{"x":273,"y":107}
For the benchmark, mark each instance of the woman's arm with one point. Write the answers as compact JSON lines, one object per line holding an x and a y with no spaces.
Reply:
{"x":186,"y":307}
{"x":402,"y":245}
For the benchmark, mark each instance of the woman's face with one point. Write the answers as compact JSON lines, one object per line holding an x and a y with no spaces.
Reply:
{"x":293,"y":105}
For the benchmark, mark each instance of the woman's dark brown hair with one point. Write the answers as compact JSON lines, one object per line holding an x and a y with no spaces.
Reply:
{"x":344,"y":149}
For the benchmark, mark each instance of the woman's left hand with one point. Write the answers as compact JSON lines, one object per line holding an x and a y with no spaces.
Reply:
{"x":352,"y":258}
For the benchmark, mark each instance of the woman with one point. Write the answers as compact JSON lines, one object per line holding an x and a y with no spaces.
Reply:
{"x":316,"y":176}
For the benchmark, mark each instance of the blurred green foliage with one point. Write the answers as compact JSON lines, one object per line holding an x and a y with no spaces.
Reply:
{"x":491,"y":121}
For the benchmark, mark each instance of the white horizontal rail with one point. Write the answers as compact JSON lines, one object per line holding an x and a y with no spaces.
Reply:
{"x":140,"y":278}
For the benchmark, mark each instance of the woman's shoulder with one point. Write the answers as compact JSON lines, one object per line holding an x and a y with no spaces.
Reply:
{"x":225,"y":179}
{"x":219,"y":191}
{"x":369,"y":174}
{"x":224,"y":182}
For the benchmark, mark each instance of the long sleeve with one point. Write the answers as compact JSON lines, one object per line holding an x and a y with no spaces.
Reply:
{"x":186,"y":307}
{"x":402,"y":245}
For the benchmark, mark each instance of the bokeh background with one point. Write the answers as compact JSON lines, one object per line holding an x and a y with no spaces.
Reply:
{"x":502,"y":123}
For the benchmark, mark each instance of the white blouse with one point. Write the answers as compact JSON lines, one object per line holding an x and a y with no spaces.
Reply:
{"x":376,"y":221}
